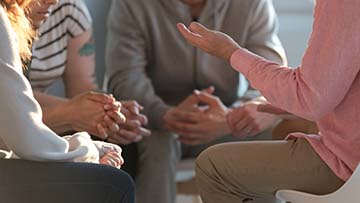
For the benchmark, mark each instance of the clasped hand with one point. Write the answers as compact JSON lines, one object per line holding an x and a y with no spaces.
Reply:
{"x":102,"y":116}
{"x":200,"y":118}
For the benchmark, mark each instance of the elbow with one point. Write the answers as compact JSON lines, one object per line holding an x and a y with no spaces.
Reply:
{"x":320,"y":111}
{"x":42,"y":151}
{"x":317,"y":109}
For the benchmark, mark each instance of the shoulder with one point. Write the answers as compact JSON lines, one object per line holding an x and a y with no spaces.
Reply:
{"x":72,"y":8}
{"x":9,"y":52}
{"x":71,"y":16}
{"x":251,"y":5}
{"x":252,"y":10}
{"x":136,"y":4}
{"x":5,"y":28}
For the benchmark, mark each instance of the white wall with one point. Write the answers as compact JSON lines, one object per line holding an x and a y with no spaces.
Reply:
{"x":295,"y":17}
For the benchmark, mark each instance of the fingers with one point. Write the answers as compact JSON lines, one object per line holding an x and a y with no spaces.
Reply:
{"x":133,"y":107}
{"x":209,"y":90}
{"x":131,"y":110}
{"x":190,"y":102}
{"x":117,"y":117}
{"x":129,"y":136}
{"x":111,"y":124}
{"x":246,"y":127}
{"x":99,"y":97}
{"x":114,"y":106}
{"x":135,"y":127}
{"x":241,"y":122}
{"x":119,"y":140}
{"x":113,"y":159}
{"x":144,"y":132}
{"x":129,"y":132}
{"x":185,"y":128}
{"x":268,"y":108}
{"x":142,"y":119}
{"x":102,"y":134}
{"x":238,"y":114}
{"x":187,"y":34}
{"x":211,"y":100}
{"x":190,"y":117}
{"x":124,"y":137}
{"x":199,"y":29}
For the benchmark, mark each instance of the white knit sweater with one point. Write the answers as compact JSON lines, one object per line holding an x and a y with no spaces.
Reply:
{"x":21,"y":128}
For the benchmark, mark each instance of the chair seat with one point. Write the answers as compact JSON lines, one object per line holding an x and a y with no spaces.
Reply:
{"x":348,"y":193}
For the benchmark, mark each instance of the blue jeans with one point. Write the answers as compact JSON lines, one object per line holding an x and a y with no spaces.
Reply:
{"x":51,"y":182}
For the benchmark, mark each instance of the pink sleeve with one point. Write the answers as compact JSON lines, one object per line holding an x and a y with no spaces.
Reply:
{"x":329,"y":66}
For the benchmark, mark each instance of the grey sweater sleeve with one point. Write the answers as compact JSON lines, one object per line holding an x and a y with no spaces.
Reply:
{"x":263,"y":37}
{"x":126,"y":62}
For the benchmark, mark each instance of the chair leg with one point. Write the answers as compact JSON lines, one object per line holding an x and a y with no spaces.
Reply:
{"x":197,"y":199}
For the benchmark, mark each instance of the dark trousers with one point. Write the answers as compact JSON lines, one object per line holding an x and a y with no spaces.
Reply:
{"x":43,"y":182}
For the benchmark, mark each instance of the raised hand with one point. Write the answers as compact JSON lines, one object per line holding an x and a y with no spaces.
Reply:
{"x":212,"y":42}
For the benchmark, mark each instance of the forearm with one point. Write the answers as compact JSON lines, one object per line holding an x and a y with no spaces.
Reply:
{"x":57,"y":119}
{"x":54,"y":112}
{"x":79,"y":75}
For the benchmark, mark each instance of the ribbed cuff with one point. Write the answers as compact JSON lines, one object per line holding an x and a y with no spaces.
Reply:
{"x":242,"y":60}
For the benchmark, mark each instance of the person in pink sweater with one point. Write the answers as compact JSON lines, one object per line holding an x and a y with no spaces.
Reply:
{"x":324,"y":89}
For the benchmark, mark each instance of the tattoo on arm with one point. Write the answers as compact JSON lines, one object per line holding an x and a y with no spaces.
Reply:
{"x":88,"y":48}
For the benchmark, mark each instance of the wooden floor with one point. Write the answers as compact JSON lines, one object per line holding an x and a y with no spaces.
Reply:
{"x":187,"y":199}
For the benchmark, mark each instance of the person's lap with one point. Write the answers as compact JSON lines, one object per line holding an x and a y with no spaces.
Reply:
{"x":235,"y":171}
{"x":27,"y":181}
{"x":193,"y":151}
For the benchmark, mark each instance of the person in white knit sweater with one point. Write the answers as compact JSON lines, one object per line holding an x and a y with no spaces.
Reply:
{"x":24,"y":136}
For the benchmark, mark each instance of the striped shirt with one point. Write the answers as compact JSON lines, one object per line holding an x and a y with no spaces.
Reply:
{"x":68,"y":19}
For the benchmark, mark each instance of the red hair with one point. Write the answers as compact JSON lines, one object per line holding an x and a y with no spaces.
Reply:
{"x":16,"y":10}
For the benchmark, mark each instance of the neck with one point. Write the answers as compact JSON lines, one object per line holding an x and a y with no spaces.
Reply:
{"x":196,"y":11}
{"x":195,"y":8}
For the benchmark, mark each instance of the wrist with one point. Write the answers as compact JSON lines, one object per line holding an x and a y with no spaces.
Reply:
{"x":58,"y":117}
{"x":230,"y":51}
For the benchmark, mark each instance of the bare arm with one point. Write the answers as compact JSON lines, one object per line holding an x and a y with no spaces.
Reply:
{"x":79,"y":75}
{"x":53,"y":113}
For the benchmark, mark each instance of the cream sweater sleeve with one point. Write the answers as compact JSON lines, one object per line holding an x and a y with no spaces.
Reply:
{"x":21,"y":126}
{"x":22,"y":129}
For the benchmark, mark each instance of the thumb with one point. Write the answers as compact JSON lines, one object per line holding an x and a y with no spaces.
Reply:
{"x":268,"y":108}
{"x":99,"y":97}
{"x":199,"y":29}
{"x":209,"y":90}
{"x":211,"y":100}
